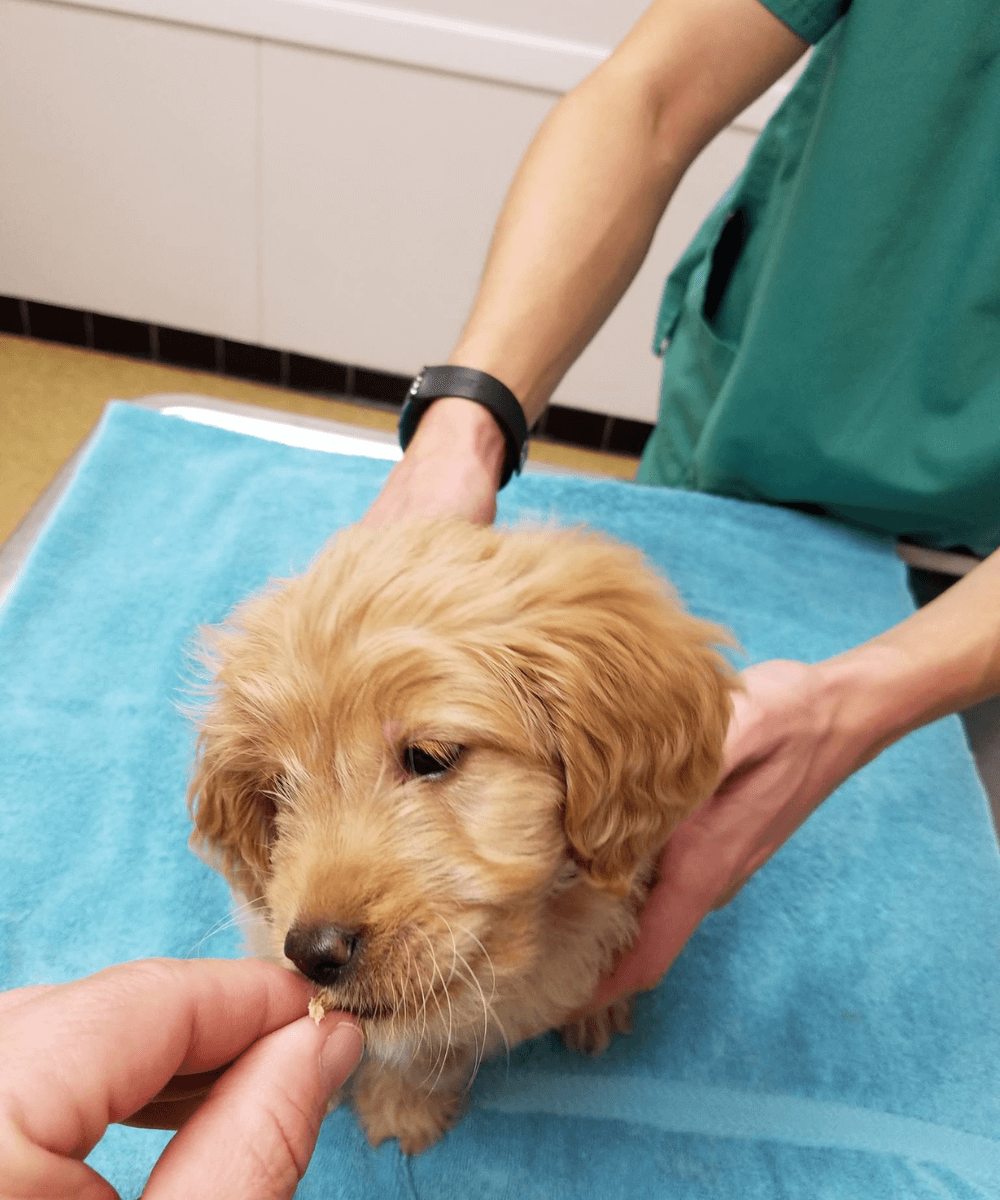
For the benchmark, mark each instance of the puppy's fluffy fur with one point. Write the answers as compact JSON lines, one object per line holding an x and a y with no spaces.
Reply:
{"x":440,"y":766}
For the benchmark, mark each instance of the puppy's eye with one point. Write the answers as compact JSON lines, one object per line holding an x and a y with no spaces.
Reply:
{"x":430,"y":759}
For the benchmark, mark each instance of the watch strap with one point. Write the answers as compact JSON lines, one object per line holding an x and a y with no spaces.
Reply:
{"x":466,"y":383}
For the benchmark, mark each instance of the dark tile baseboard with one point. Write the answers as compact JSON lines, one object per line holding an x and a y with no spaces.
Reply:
{"x":282,"y":368}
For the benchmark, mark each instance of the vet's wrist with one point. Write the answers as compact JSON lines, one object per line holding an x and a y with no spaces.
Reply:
{"x":452,"y":381}
{"x":457,"y":429}
{"x":876,"y":697}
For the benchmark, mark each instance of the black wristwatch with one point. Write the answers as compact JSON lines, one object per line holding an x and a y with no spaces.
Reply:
{"x":435,"y":382}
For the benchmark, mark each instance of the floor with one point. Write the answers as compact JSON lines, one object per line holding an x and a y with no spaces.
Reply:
{"x":51,"y":396}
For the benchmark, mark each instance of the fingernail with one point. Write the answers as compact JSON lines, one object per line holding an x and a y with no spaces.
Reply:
{"x":341,"y":1053}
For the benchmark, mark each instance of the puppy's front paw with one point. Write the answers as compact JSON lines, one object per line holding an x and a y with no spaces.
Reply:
{"x":592,"y":1034}
{"x":389,"y":1107}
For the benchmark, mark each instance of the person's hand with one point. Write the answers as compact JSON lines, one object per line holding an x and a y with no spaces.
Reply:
{"x":451,"y":468}
{"x":148,"y":1040}
{"x":791,"y":742}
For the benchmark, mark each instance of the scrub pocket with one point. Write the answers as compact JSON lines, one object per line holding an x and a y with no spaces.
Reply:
{"x":696,"y":360}
{"x":725,"y":256}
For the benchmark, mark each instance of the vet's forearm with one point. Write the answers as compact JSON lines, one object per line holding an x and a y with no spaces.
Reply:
{"x":941,"y":660}
{"x":577,"y":222}
{"x":575,"y":227}
{"x":585,"y":203}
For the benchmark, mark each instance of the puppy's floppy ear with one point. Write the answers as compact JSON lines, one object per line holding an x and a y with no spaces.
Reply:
{"x":233,"y":816}
{"x":232,"y":792}
{"x":638,"y":701}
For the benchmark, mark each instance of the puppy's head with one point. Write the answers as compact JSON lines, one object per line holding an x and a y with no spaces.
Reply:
{"x":418,"y":745}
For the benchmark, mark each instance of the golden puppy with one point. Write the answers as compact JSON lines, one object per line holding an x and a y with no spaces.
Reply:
{"x":440,"y":766}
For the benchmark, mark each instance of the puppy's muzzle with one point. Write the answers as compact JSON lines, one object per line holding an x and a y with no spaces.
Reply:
{"x":323,"y":953}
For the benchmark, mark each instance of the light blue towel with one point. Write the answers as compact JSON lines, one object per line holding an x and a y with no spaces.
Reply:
{"x":833,"y":1033}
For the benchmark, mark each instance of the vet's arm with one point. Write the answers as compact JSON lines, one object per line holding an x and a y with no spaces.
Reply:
{"x":804,"y":728}
{"x":577,"y":223}
{"x":942,"y":659}
{"x":798,"y":731}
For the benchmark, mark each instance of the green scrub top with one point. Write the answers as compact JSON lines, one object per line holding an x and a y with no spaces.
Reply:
{"x":832,"y":336}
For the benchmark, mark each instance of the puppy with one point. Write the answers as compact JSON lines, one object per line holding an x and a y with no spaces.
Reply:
{"x":440,"y":767}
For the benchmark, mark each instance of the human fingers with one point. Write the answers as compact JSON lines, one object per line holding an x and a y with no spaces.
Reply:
{"x":705,"y":861}
{"x":174,"y":1103}
{"x":781,"y":759}
{"x":75,"y":1058}
{"x":10,"y":1000}
{"x":712,"y":853}
{"x":669,"y":918}
{"x":643,"y":966}
{"x":253,"y":1137}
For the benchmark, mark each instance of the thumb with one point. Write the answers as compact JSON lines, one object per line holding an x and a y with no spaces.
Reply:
{"x":253,"y":1137}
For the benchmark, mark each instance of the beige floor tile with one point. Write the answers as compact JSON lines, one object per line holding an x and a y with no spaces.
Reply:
{"x":51,"y":396}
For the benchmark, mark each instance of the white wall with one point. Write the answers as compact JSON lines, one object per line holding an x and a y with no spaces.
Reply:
{"x":216,"y":172}
{"x":129,"y":152}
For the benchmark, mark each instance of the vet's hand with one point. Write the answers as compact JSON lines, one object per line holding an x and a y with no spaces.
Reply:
{"x":788,"y":747}
{"x":451,"y":468}
{"x":146,"y":1041}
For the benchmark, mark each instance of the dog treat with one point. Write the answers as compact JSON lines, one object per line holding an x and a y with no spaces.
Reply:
{"x":317,"y":1009}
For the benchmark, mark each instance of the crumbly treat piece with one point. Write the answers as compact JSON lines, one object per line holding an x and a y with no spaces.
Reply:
{"x":317,"y":1009}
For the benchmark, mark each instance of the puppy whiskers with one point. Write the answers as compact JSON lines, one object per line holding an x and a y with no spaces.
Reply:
{"x":486,"y":955}
{"x":488,"y":1009}
{"x":436,"y":972}
{"x":228,"y":922}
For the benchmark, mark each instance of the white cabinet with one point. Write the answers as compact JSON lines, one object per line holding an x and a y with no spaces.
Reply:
{"x":380,"y":187}
{"x":196,"y":164}
{"x":129,"y":152}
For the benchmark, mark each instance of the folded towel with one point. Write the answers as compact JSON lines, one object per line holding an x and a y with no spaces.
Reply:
{"x":834,"y":1032}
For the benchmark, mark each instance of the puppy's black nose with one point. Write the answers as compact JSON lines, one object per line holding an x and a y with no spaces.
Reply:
{"x":323,"y":953}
